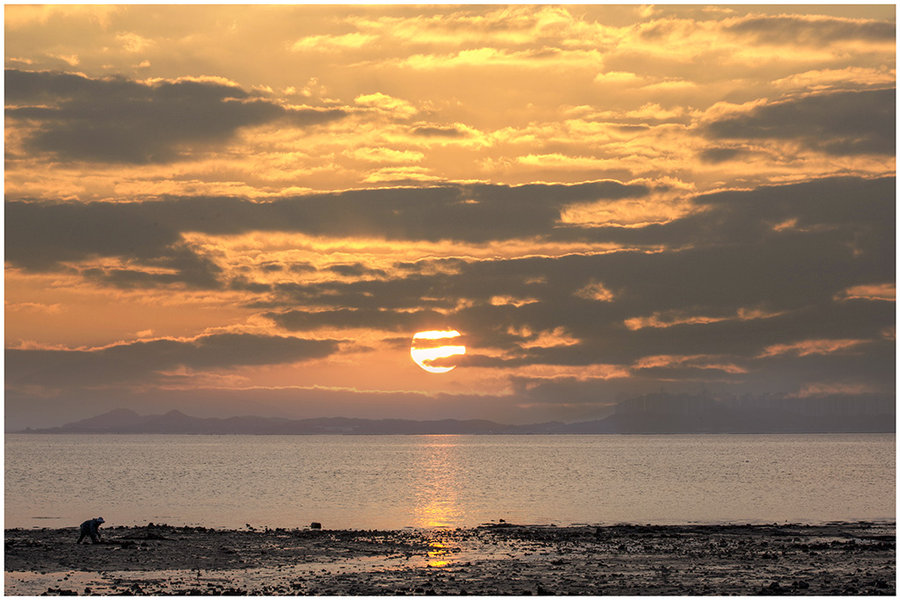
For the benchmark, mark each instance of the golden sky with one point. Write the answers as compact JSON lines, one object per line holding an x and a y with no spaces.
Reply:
{"x":252,"y":209}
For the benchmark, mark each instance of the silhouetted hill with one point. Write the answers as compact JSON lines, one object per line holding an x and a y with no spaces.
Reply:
{"x":651,"y":413}
{"x":119,"y":419}
{"x":126,"y":421}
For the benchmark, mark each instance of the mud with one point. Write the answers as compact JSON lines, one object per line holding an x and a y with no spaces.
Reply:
{"x":497,"y":559}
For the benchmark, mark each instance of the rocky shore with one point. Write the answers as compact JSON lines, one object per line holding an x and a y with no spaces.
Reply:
{"x":495,"y":559}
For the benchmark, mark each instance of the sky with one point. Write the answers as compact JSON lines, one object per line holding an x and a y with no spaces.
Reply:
{"x":251,"y":210}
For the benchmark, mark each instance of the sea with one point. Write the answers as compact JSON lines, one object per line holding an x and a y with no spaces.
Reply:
{"x":393,"y":482}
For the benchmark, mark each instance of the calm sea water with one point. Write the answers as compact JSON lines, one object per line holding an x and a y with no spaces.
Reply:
{"x":364,"y":482}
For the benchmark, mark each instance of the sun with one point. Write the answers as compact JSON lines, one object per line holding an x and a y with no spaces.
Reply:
{"x":428,"y":346}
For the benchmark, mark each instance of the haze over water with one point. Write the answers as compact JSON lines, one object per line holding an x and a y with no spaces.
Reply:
{"x":364,"y":482}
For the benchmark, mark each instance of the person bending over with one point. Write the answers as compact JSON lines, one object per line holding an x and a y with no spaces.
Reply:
{"x":91,"y":527}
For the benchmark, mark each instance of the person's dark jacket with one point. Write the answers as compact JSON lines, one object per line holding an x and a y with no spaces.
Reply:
{"x":91,"y":526}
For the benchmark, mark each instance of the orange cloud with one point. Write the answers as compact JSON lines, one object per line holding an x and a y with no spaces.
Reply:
{"x":33,"y":307}
{"x":672,"y":318}
{"x":556,"y":338}
{"x":811,"y":347}
{"x":820,"y":79}
{"x":511,"y":301}
{"x":697,"y":361}
{"x":657,"y":208}
{"x":233,"y":252}
{"x":389,"y":104}
{"x":493,"y":57}
{"x":598,"y":372}
{"x":401,"y":175}
{"x":877,"y":291}
{"x":387,"y":155}
{"x":595,"y":291}
{"x":331,"y":43}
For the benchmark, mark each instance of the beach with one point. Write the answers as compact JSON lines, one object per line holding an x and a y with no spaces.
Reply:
{"x":493,"y":559}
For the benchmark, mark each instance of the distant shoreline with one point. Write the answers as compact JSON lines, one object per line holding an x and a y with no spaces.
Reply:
{"x":829,"y":559}
{"x":651,"y":414}
{"x":630,"y":433}
{"x":375,"y":435}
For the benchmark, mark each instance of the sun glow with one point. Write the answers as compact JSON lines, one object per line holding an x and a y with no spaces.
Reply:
{"x":428,"y":346}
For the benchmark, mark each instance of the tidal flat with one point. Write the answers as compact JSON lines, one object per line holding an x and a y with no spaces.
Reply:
{"x":496,"y":559}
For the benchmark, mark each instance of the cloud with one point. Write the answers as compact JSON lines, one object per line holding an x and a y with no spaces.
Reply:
{"x":811,"y":29}
{"x":879,"y":291}
{"x":848,"y":77}
{"x":733,"y":231}
{"x":133,"y":42}
{"x":33,"y":307}
{"x":368,"y":318}
{"x":145,"y":361}
{"x":706,"y":316}
{"x":118,"y":120}
{"x":40,"y":236}
{"x":674,"y":318}
{"x":595,"y":290}
{"x":394,"y":106}
{"x":700,"y":361}
{"x":487,"y":57}
{"x":46,"y":237}
{"x":739,"y":275}
{"x":820,"y":207}
{"x":356,"y":270}
{"x":449,"y":131}
{"x":723,"y":154}
{"x":180,"y":264}
{"x":837,"y":123}
{"x":809,"y":347}
{"x":387,"y":155}
{"x":331,"y":43}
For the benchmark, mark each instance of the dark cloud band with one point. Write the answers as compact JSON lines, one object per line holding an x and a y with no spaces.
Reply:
{"x":118,"y":120}
{"x":145,"y":360}
{"x":838,"y":123}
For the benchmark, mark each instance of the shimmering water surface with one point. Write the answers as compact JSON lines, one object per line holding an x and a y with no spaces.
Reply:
{"x":364,"y":482}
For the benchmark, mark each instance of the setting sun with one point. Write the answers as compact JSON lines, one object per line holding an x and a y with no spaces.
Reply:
{"x":428,"y":346}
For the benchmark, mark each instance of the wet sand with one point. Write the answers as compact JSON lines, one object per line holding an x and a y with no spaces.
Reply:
{"x":497,"y":559}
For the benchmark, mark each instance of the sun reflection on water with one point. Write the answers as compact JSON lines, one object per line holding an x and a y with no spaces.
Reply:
{"x":437,"y":555}
{"x":436,"y":488}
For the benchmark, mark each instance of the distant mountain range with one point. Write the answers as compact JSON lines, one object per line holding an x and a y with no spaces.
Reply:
{"x":654,"y":413}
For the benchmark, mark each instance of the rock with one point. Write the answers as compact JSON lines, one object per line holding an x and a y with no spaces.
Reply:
{"x":315,"y":525}
{"x":59,"y":592}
